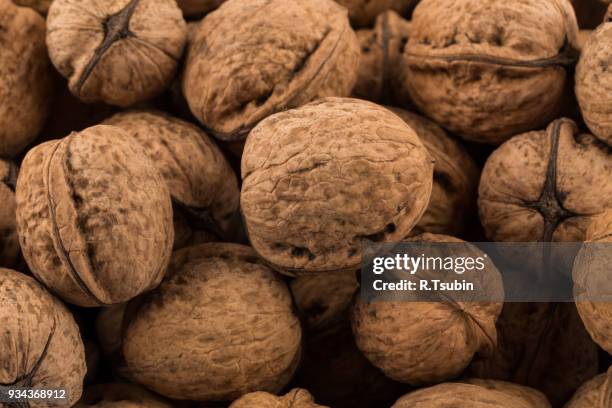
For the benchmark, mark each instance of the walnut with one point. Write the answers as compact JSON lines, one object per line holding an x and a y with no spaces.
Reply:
{"x":198,"y":8}
{"x":202,"y":184}
{"x":594,"y":81}
{"x":42,"y":6}
{"x":221,"y":325}
{"x":475,"y":394}
{"x":120,"y":395}
{"x":26,"y":77}
{"x":118,"y":51}
{"x":545,"y":185}
{"x":282,"y":55}
{"x":40,"y":345}
{"x":319,"y":179}
{"x":363,"y":12}
{"x":395,"y":334}
{"x":594,"y":393}
{"x":489,"y":69}
{"x":296,"y":398}
{"x":94,"y":217}
{"x":9,"y":242}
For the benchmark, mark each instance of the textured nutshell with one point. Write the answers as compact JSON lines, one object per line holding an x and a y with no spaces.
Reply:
{"x":42,"y":6}
{"x":319,"y":179}
{"x":9,"y":242}
{"x":26,"y":78}
{"x":489,"y":69}
{"x":594,"y":81}
{"x":364,"y":12}
{"x":120,"y":395}
{"x":203,"y":186}
{"x":475,"y":394}
{"x":119,"y":51}
{"x":40,"y":345}
{"x":94,"y":217}
{"x":455,"y":179}
{"x":381,"y":51}
{"x":541,"y":345}
{"x":594,"y":393}
{"x":198,"y":8}
{"x":296,"y":398}
{"x":221,"y":325}
{"x":403,"y":338}
{"x":282,"y":55}
{"x":545,"y":185}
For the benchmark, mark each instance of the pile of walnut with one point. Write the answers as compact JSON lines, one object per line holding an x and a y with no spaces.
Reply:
{"x":186,"y":186}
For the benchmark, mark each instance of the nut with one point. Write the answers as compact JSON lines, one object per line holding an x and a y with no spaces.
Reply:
{"x":364,"y":12}
{"x":593,"y":393}
{"x":26,"y":78}
{"x":296,"y":398}
{"x":468,"y":327}
{"x":94,"y":217}
{"x":202,"y":184}
{"x":490,"y":69}
{"x":42,"y":6}
{"x":545,"y":185}
{"x":282,"y":55}
{"x":198,"y":8}
{"x":9,"y":242}
{"x":233,"y":330}
{"x":120,"y":395}
{"x":40,"y":345}
{"x":319,"y":179}
{"x":119,"y":51}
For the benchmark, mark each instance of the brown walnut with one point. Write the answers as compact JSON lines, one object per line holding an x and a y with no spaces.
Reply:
{"x":364,"y":12}
{"x":120,"y":395}
{"x":219,"y":326}
{"x":118,"y":51}
{"x":281,"y":54}
{"x":545,"y":185}
{"x":40,"y":345}
{"x":296,"y":398}
{"x":9,"y":242}
{"x":202,"y":184}
{"x":594,"y":393}
{"x":42,"y":6}
{"x":94,"y":217}
{"x":319,"y":179}
{"x":489,"y":69}
{"x":197,"y":8}
{"x":26,"y":78}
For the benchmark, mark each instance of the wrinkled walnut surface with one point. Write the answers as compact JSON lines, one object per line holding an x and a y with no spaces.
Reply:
{"x":9,"y":242}
{"x":594,"y":393}
{"x":545,"y":185}
{"x":26,"y":78}
{"x":120,"y":395}
{"x":94,"y":217}
{"x":319,"y":179}
{"x":296,"y":398}
{"x":221,"y":325}
{"x":252,"y":58}
{"x":489,"y":69}
{"x":40,"y":344}
{"x":116,"y":51}
{"x":364,"y":12}
{"x":198,"y":7}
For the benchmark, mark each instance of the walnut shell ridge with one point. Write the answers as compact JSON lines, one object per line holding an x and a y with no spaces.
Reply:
{"x":219,"y":326}
{"x":364,"y":12}
{"x":26,"y":77}
{"x":319,"y":179}
{"x":120,"y":395}
{"x":116,"y":51}
{"x":282,"y":55}
{"x":296,"y":398}
{"x":489,"y":69}
{"x":9,"y":242}
{"x":593,"y":393}
{"x":545,"y":185}
{"x":94,"y":217}
{"x":40,"y":345}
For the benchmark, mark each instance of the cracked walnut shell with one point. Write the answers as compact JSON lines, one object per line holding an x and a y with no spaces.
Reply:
{"x":40,"y":345}
{"x":219,"y":326}
{"x":252,"y":58}
{"x":319,"y":179}
{"x":9,"y":242}
{"x":296,"y":398}
{"x":94,"y":217}
{"x":116,"y":51}
{"x":489,"y":69}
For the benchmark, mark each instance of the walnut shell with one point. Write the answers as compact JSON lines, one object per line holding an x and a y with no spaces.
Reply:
{"x":489,"y":69}
{"x":40,"y":345}
{"x":233,"y":330}
{"x":594,"y":393}
{"x":42,"y":6}
{"x":296,"y":398}
{"x":282,"y":55}
{"x":455,"y":179}
{"x":105,"y":235}
{"x":26,"y":77}
{"x":117,"y":51}
{"x":120,"y":395}
{"x":198,"y":8}
{"x":319,"y":179}
{"x":9,"y":242}
{"x":594,"y":82}
{"x":203,"y":186}
{"x":381,"y":52}
{"x":364,"y":12}
{"x":545,"y":185}
{"x":477,"y":394}
{"x":394,"y":335}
